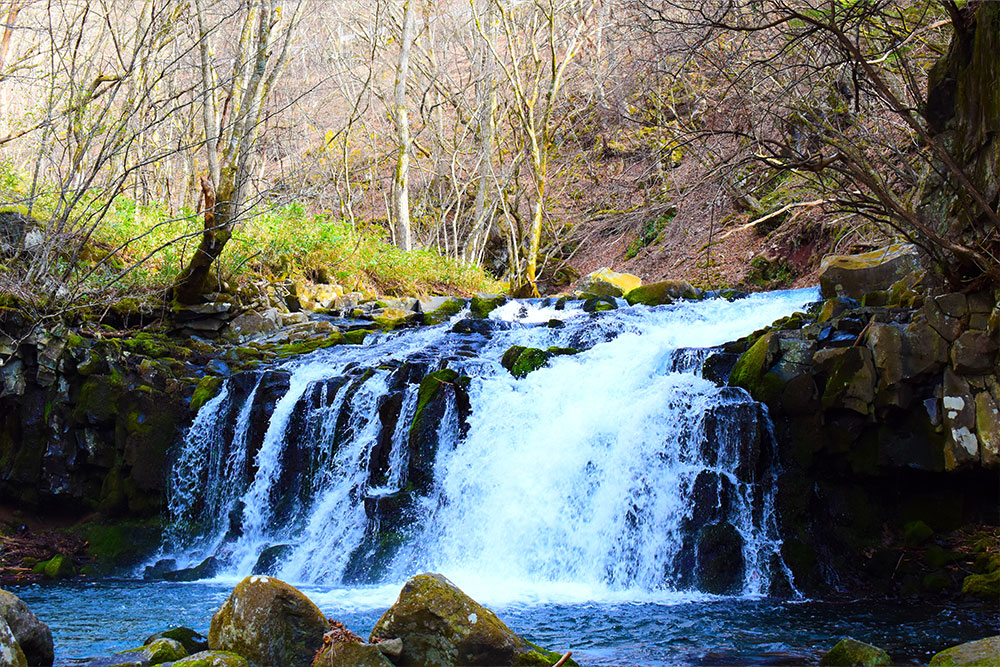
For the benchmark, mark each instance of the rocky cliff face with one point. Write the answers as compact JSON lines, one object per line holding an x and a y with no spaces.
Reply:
{"x":888,"y":419}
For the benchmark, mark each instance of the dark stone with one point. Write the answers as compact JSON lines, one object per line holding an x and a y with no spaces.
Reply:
{"x":158,"y":569}
{"x":720,"y":564}
{"x":206,"y":569}
{"x":974,"y":353}
{"x":192,"y":641}
{"x":270,"y":560}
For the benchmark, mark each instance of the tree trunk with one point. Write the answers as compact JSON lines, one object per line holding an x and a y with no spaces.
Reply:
{"x":190,"y":284}
{"x":400,"y":182}
{"x":486,"y":99}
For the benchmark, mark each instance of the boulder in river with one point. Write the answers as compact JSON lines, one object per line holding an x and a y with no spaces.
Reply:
{"x":270,"y":623}
{"x":157,"y":652}
{"x":192,"y":641}
{"x":663,"y":292}
{"x":980,"y":653}
{"x":857,"y":275}
{"x":605,"y":282}
{"x":440,"y":625}
{"x":31,"y":634}
{"x":850,"y":652}
{"x":212,"y":659}
{"x":350,"y":654}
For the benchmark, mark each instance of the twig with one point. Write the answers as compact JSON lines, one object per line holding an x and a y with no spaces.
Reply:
{"x":562,"y":661}
{"x":781,"y":210}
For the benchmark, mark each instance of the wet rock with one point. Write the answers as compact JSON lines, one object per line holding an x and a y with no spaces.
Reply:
{"x":599,"y":304}
{"x":59,"y":567}
{"x":270,"y":623}
{"x":212,"y":659}
{"x":985,"y":586}
{"x":857,"y":275}
{"x":271,"y":558}
{"x":663,"y":292}
{"x":350,"y":654}
{"x":962,"y":447}
{"x":988,"y":428}
{"x":720,"y":565}
{"x":521,"y":361}
{"x":33,"y":636}
{"x":851,"y":378}
{"x":433,"y":395}
{"x":440,"y":625}
{"x":11,"y":654}
{"x":483,"y":304}
{"x":388,"y":319}
{"x":605,"y":282}
{"x":947,"y":327}
{"x":438,"y":309}
{"x":206,"y":569}
{"x":751,"y":371}
{"x":251,"y":324}
{"x":852,"y":653}
{"x":192,"y":641}
{"x":981,"y":653}
{"x":974,"y":353}
{"x":924,"y":350}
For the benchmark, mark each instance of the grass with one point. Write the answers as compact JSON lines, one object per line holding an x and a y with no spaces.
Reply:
{"x":145,"y":247}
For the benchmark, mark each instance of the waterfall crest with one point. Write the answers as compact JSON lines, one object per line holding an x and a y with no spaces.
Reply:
{"x":617,"y":470}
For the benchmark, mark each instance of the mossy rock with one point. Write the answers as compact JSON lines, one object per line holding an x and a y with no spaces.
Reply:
{"x":916,"y":532}
{"x":99,"y":398}
{"x":307,"y":346}
{"x":11,"y":654}
{"x":193,"y":642}
{"x":661,"y":293}
{"x":212,"y":659}
{"x":429,"y":388}
{"x":157,"y":651}
{"x":445,"y":311}
{"x":605,"y":282}
{"x":852,"y":653}
{"x":752,"y":370}
{"x":388,"y":319}
{"x":59,"y":567}
{"x":114,"y":546}
{"x":981,"y":653}
{"x":482,"y":305}
{"x":357,"y":336}
{"x":270,"y":623}
{"x":986,"y":586}
{"x":206,"y":390}
{"x":441,"y":625}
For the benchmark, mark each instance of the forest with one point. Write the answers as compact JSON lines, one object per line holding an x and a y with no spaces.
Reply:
{"x":667,"y":329}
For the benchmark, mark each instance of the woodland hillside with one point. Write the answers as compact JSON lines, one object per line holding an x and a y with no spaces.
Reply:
{"x":729,"y":143}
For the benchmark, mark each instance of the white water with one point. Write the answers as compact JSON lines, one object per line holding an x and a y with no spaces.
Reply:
{"x":571,"y":484}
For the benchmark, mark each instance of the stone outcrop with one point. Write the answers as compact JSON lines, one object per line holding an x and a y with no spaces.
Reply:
{"x":855,"y":276}
{"x":440,"y":625}
{"x":605,"y":282}
{"x":850,"y":652}
{"x":980,"y":653}
{"x":884,"y":415}
{"x":269,"y":623}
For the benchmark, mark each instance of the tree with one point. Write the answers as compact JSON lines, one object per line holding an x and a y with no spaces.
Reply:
{"x":233,"y":111}
{"x":540,"y":40}
{"x":837,"y":94}
{"x":401,"y":176}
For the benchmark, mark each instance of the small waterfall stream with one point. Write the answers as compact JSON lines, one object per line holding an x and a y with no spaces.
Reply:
{"x":618,"y":470}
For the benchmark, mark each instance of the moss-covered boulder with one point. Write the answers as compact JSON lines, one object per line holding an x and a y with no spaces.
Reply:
{"x":605,"y":282}
{"x":33,"y":636}
{"x":270,"y":623}
{"x":483,"y":304}
{"x":852,"y":653}
{"x":857,"y":275}
{"x":752,"y":370}
{"x":207,"y":388}
{"x":981,"y":653}
{"x":206,"y":569}
{"x":156,"y":652}
{"x":437,"y":310}
{"x":212,"y":659}
{"x":433,"y":396}
{"x":10,"y":651}
{"x":388,"y":319}
{"x":440,"y":625}
{"x":59,"y":567}
{"x":521,"y":361}
{"x":985,"y":586}
{"x":663,"y":292}
{"x":350,"y":654}
{"x":192,"y":641}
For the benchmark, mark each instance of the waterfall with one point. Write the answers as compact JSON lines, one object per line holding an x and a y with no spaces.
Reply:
{"x":617,"y":470}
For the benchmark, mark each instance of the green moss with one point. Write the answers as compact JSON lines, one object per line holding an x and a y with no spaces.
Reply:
{"x":445,"y":311}
{"x":99,"y":398}
{"x":483,"y":304}
{"x":307,"y":346}
{"x":59,"y":567}
{"x":852,"y":653}
{"x":661,"y":293}
{"x":751,"y":371}
{"x":357,"y":336}
{"x":981,"y":653}
{"x":986,"y":586}
{"x":207,"y":388}
{"x":649,"y":233}
{"x":429,"y":388}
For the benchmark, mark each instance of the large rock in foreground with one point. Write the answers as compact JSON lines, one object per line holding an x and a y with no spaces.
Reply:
{"x":441,"y":625}
{"x":33,"y":636}
{"x":982,"y":653}
{"x":270,"y":623}
{"x":858,"y":275}
{"x":11,"y":654}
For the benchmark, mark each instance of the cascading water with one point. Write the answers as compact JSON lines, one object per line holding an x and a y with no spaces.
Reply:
{"x":616,"y":471}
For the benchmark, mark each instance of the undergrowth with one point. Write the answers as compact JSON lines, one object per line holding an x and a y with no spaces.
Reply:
{"x":138,"y":248}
